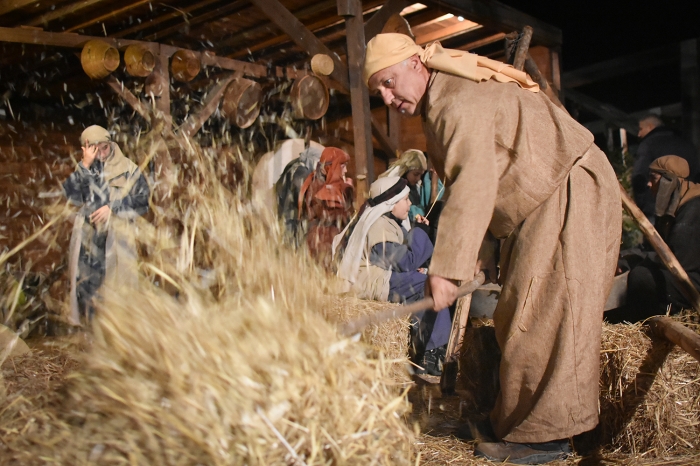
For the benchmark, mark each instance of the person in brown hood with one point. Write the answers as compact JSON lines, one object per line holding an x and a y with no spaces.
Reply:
{"x":521,"y":169}
{"x":651,"y":289}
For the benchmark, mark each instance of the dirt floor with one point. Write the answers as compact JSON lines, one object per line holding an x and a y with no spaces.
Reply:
{"x":35,"y":382}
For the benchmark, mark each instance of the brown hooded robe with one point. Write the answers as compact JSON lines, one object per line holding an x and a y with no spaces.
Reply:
{"x":526,"y":171}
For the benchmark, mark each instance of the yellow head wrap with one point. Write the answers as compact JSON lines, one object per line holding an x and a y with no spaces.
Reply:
{"x":385,"y":50}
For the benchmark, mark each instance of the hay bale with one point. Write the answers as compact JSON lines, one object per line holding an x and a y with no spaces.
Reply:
{"x":649,"y":394}
{"x":389,"y":339}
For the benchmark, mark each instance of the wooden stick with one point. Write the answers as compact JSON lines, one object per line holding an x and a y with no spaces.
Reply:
{"x":359,"y":324}
{"x":521,"y":52}
{"x":664,"y":252}
{"x":677,"y":333}
{"x":450,"y":367}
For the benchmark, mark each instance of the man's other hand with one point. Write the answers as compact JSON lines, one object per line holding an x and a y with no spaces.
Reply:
{"x":442,"y":290}
{"x":101,"y":215}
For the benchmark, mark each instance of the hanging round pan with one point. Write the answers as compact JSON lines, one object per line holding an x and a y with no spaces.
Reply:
{"x":99,"y":59}
{"x":241,"y":102}
{"x":309,"y":97}
{"x":140,"y":61}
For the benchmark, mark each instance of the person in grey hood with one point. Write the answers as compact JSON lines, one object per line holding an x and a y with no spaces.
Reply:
{"x":287,"y":191}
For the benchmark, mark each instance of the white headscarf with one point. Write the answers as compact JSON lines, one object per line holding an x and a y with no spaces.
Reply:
{"x":350,"y":264}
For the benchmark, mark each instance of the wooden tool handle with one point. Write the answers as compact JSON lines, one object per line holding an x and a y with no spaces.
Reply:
{"x":359,"y":324}
{"x":662,"y":249}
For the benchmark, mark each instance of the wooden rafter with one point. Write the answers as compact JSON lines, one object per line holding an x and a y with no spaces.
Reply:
{"x":216,"y":13}
{"x":69,"y":9}
{"x":607,"y":112}
{"x":301,"y":36}
{"x":8,"y":6}
{"x":160,"y":19}
{"x":133,"y":101}
{"x":503,"y":18}
{"x":108,"y":15}
{"x":195,"y":122}
{"x":375,"y":24}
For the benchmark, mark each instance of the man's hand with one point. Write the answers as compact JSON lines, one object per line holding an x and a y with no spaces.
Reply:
{"x":89,"y":154}
{"x":442,"y":290}
{"x":101,"y":215}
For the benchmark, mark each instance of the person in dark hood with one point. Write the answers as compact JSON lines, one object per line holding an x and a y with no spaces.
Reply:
{"x":651,"y":289}
{"x":657,"y":141}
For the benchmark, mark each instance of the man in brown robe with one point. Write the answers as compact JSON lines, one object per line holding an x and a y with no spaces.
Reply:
{"x":523,"y":170}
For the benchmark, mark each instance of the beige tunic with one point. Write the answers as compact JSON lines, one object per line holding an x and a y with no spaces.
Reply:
{"x":373,"y":282}
{"x":524,"y":169}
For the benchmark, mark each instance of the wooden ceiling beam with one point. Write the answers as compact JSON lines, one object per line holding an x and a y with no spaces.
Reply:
{"x":217,"y":13}
{"x":605,"y":111}
{"x":375,"y":24}
{"x":111,"y":14}
{"x":160,"y":19}
{"x":69,"y":9}
{"x":7,"y":6}
{"x":302,"y":36}
{"x":502,"y":17}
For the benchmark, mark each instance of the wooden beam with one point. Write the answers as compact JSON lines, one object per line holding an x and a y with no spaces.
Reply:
{"x":676,"y":333}
{"x":216,"y":13}
{"x":384,"y":141}
{"x":110,"y":14}
{"x":375,"y":24}
{"x":244,"y":36}
{"x":133,"y":101}
{"x":605,"y":111}
{"x":69,"y":9}
{"x":503,"y":18}
{"x":620,"y":66}
{"x":156,"y":21}
{"x":8,"y":6}
{"x":393,"y":123}
{"x":359,"y":95}
{"x":448,"y":32}
{"x":211,"y":102}
{"x":302,"y":36}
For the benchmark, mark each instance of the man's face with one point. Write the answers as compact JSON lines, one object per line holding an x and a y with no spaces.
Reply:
{"x":644,"y":128}
{"x":401,"y":86}
{"x":654,"y":180}
{"x":103,"y":150}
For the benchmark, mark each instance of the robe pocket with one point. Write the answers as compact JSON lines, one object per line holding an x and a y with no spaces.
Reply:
{"x":545,"y":303}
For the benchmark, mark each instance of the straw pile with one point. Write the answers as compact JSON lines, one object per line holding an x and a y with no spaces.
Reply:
{"x":223,"y":355}
{"x":650,"y":394}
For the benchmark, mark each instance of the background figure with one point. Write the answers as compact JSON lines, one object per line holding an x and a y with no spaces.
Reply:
{"x":385,"y":261}
{"x":111,"y":191}
{"x":657,"y":141}
{"x":650,"y":286}
{"x":325,"y":203}
{"x":413,"y":167}
{"x":288,"y":188}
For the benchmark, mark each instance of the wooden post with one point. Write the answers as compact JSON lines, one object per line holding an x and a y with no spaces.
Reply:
{"x":359,"y":94}
{"x":523,"y":47}
{"x":690,"y":88}
{"x":677,"y":333}
{"x":664,"y":252}
{"x":393,"y":123}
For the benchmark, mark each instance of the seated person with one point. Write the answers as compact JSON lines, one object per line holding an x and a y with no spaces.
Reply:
{"x":651,"y":288}
{"x":413,"y":166}
{"x":325,"y":203}
{"x":384,"y":261}
{"x":288,"y":187}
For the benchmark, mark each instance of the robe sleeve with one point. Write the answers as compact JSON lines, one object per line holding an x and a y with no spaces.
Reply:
{"x":77,"y":186}
{"x":463,"y":145}
{"x":405,"y":257}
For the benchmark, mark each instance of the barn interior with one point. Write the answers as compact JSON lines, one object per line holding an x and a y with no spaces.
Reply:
{"x":236,"y":79}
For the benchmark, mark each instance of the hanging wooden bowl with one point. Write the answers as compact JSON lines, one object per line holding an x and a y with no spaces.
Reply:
{"x":241,"y":102}
{"x":140,"y":61}
{"x":185,"y":65}
{"x":99,"y":59}
{"x":309,"y":97}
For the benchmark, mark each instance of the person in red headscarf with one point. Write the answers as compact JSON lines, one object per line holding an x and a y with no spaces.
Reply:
{"x":325,"y":203}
